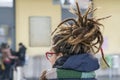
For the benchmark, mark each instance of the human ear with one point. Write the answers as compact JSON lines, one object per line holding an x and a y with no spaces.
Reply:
{"x":60,"y":55}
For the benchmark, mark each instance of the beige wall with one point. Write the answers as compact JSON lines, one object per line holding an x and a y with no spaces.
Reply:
{"x":26,"y":8}
{"x":112,"y":25}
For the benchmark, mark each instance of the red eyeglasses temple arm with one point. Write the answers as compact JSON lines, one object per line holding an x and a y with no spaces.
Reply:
{"x":46,"y":55}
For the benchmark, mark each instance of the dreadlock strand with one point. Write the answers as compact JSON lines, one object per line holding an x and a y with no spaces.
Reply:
{"x":85,"y":16}
{"x":95,"y":22}
{"x":92,"y":11}
{"x":103,"y":18}
{"x":60,"y":41}
{"x":64,"y":22}
{"x":80,"y":18}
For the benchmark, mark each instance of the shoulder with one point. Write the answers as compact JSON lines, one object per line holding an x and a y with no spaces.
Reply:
{"x":51,"y":74}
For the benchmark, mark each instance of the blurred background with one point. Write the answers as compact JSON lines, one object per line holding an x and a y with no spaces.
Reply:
{"x":32,"y":21}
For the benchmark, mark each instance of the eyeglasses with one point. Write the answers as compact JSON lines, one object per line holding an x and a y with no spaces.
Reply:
{"x":49,"y":54}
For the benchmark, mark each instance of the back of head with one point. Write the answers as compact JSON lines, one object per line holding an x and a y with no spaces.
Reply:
{"x":4,"y":46}
{"x":82,"y":36}
{"x":20,"y":44}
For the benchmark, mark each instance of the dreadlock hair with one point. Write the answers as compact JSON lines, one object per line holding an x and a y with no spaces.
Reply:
{"x":82,"y":36}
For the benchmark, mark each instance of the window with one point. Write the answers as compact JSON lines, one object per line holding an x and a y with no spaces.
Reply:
{"x":40,"y":29}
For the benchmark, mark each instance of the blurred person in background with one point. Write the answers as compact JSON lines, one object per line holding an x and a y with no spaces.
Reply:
{"x":22,"y":54}
{"x":7,"y":58}
{"x":21,"y":62}
{"x":73,"y":49}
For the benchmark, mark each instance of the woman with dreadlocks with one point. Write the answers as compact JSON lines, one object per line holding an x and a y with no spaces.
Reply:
{"x":73,"y":48}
